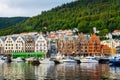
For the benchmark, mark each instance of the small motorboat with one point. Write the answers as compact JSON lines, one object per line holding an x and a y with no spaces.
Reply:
{"x":19,"y":59}
{"x":46,"y":61}
{"x":68,"y":60}
{"x":89,"y":59}
{"x":115,"y":60}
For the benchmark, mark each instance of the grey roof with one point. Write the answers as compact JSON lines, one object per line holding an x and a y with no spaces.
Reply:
{"x":66,"y":37}
{"x":3,"y":38}
{"x":87,"y":37}
{"x":14,"y":38}
{"x":74,"y":38}
{"x":34,"y":37}
{"x":24,"y":37}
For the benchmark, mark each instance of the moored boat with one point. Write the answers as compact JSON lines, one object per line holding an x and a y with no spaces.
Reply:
{"x":89,"y":59}
{"x":115,"y":60}
{"x":46,"y":61}
{"x":19,"y":59}
{"x":68,"y":60}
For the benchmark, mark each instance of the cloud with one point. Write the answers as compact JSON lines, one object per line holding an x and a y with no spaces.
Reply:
{"x":10,"y":8}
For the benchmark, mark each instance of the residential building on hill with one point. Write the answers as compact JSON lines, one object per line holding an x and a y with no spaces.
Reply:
{"x":116,"y":32}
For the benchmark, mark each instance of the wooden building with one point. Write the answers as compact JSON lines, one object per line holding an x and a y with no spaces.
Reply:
{"x":105,"y":50}
{"x":29,"y":44}
{"x":94,"y":45}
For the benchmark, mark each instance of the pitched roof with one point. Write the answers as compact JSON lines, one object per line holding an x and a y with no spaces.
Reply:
{"x":14,"y":38}
{"x":3,"y":38}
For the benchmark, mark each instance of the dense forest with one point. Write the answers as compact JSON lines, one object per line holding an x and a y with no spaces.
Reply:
{"x":9,"y":21}
{"x":81,"y":14}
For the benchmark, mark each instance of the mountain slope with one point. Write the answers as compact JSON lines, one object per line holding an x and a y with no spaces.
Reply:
{"x":83,"y":14}
{"x":6,"y":22}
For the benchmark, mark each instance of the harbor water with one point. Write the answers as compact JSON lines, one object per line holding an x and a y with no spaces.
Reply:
{"x":69,"y":71}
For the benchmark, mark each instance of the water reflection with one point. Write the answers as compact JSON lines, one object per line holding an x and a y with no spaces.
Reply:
{"x":115,"y":72}
{"x":83,"y":71}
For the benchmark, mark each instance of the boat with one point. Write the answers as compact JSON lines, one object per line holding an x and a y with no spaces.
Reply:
{"x":103,"y":61}
{"x":2,"y":60}
{"x":19,"y":59}
{"x":89,"y":59}
{"x":30,"y":59}
{"x":115,"y":60}
{"x":46,"y":61}
{"x":5,"y":59}
{"x":68,"y":60}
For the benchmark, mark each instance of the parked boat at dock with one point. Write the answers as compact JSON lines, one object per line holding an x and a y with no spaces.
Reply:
{"x":68,"y":60}
{"x":89,"y":59}
{"x":115,"y":60}
{"x":46,"y":61}
{"x":19,"y":59}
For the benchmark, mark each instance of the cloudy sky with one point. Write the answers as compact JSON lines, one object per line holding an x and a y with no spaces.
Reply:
{"x":12,"y":8}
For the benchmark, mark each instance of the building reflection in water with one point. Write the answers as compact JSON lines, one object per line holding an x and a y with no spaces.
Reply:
{"x":83,"y":71}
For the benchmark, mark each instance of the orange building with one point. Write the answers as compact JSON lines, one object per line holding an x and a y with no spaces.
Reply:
{"x":105,"y":50}
{"x":79,"y":46}
{"x":112,"y":51}
{"x":94,"y":45}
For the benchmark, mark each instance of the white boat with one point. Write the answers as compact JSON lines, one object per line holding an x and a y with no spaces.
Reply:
{"x":68,"y":60}
{"x":59,"y":57}
{"x":3,"y":59}
{"x":46,"y":61}
{"x":89,"y":59}
{"x":19,"y":59}
{"x":29,"y":59}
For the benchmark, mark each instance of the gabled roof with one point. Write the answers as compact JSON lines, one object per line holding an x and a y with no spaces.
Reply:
{"x":3,"y":38}
{"x":14,"y":38}
{"x":75,"y":38}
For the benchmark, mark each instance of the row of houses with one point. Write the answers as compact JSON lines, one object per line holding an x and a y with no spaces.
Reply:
{"x":83,"y":45}
{"x":23,"y":43}
{"x":62,"y":41}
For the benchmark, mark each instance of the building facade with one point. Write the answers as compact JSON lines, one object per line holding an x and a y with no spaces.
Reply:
{"x":111,"y":43}
{"x":81,"y":45}
{"x":105,"y":50}
{"x":19,"y":44}
{"x":41,"y":44}
{"x":2,"y":45}
{"x":94,"y":45}
{"x":29,"y":44}
{"x":9,"y":45}
{"x":61,"y":45}
{"x":118,"y":50}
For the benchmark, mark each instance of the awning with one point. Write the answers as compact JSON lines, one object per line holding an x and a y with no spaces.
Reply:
{"x":28,"y":54}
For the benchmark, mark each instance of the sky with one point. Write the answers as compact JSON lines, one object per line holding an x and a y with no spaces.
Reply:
{"x":28,"y":8}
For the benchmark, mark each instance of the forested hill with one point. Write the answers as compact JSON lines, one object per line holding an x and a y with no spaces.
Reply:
{"x":81,"y":14}
{"x":9,"y":21}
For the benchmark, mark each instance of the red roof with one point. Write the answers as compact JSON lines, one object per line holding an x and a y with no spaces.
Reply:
{"x":116,"y":31}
